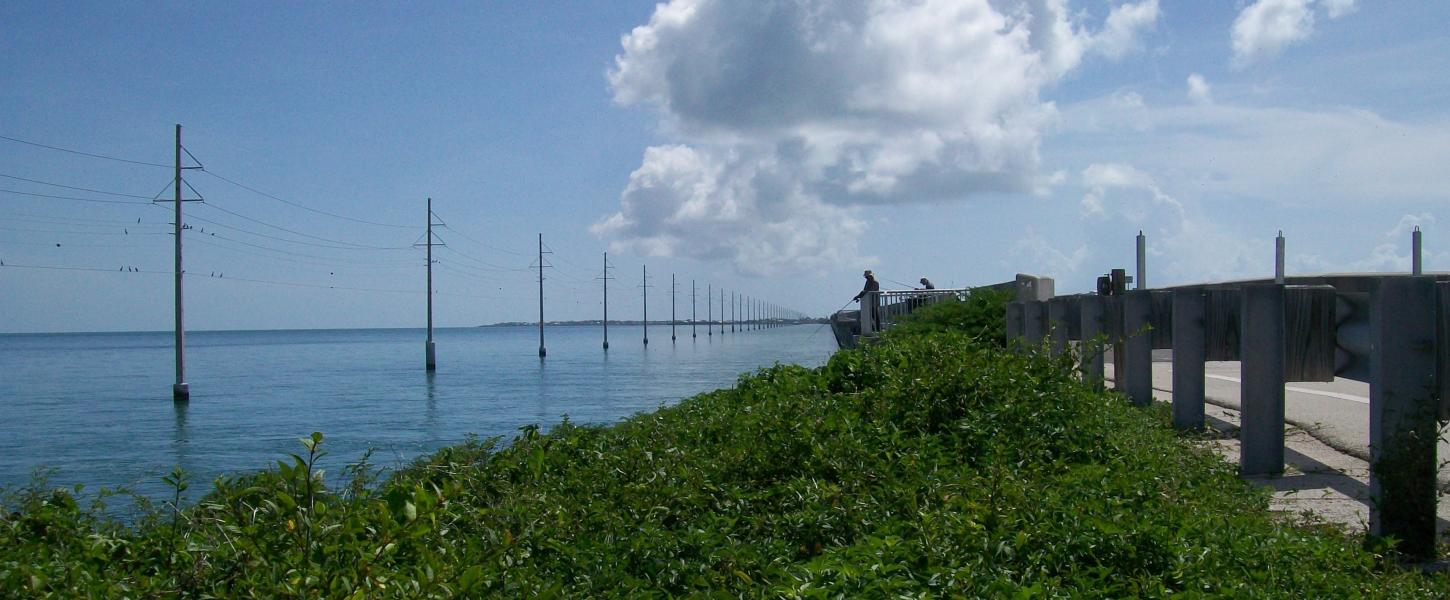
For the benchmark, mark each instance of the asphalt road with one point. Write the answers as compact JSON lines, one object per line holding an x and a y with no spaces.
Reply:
{"x":1336,"y":412}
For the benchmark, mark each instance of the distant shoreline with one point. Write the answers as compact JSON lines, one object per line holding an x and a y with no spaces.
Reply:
{"x":678,"y":322}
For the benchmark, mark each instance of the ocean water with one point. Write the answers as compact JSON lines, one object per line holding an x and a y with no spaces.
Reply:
{"x":96,"y":409}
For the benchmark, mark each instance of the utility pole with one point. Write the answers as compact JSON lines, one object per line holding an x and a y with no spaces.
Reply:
{"x":693,"y":289}
{"x":542,"y":351}
{"x":644,"y":289}
{"x":733,"y":302}
{"x":180,"y":391}
{"x":606,"y":279}
{"x":430,"y":360}
{"x":673,"y":292}
{"x":722,"y":312}
{"x":709,"y":310}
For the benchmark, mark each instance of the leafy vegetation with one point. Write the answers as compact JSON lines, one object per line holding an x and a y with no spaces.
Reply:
{"x":929,"y":464}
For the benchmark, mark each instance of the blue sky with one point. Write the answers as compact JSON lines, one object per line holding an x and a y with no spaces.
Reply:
{"x":772,"y":148}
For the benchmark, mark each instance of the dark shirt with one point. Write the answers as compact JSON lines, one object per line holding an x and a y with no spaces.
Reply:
{"x":871,"y":286}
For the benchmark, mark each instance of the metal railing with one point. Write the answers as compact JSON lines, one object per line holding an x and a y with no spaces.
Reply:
{"x":880,"y":310}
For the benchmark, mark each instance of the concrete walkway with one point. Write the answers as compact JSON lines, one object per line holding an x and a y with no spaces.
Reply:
{"x":1326,"y":445}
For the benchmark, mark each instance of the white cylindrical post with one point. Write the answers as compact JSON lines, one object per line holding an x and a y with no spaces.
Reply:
{"x":1279,"y":258}
{"x":1416,"y":267}
{"x":1142,"y":261}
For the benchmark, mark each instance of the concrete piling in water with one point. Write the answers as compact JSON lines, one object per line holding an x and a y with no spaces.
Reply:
{"x":1261,"y":391}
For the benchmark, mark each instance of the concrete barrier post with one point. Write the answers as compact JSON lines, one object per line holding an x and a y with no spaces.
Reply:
{"x":1057,"y":324}
{"x":1189,"y":353}
{"x":1091,"y":314}
{"x":1402,"y":414}
{"x":1032,"y":322}
{"x":869,"y":308}
{"x":1261,"y":391}
{"x":1015,"y":313}
{"x":1137,"y":370}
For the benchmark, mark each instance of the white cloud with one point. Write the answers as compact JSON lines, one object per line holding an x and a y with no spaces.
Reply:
{"x":1324,"y":157}
{"x":800,"y":110}
{"x":1121,"y":31}
{"x":1198,"y":90}
{"x":1183,"y":246}
{"x":1266,"y":27}
{"x":1100,"y":179}
{"x":1338,"y":8}
{"x":1409,"y":223}
{"x":1038,"y":251}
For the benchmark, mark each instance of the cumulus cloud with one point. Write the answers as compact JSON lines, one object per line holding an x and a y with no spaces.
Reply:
{"x":1101,"y":179}
{"x":1040,"y":252}
{"x":1198,"y":90}
{"x":788,"y":116}
{"x":1266,"y":27}
{"x":1409,"y":223}
{"x":1183,"y":246}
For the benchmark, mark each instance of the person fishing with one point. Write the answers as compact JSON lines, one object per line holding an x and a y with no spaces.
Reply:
{"x":926,"y":284}
{"x":871,"y":286}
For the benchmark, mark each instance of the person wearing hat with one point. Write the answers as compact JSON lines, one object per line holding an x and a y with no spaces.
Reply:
{"x":871,"y":285}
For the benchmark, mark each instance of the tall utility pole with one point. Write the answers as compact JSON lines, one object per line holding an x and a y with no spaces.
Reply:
{"x":180,"y":391}
{"x":644,"y":289}
{"x":606,"y":279}
{"x":693,"y":289}
{"x":430,"y":357}
{"x":673,"y":291}
{"x":732,"y":311}
{"x":722,"y":312}
{"x":709,"y":309}
{"x":542,"y":351}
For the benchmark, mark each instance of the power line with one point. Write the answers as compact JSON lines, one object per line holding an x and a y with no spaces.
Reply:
{"x":79,"y":189}
{"x":96,"y":200}
{"x":92,"y":155}
{"x":353,"y":245}
{"x":305,"y":207}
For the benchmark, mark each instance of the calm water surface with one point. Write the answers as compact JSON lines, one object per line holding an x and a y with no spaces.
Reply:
{"x":96,"y":409}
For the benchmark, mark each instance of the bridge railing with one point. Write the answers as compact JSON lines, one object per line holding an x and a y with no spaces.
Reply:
{"x":1391,"y":331}
{"x":880,"y":310}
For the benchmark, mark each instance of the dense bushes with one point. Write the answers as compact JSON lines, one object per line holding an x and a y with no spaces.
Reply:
{"x":926,"y":464}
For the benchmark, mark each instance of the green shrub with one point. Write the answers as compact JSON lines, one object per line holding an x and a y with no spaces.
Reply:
{"x":926,"y":465}
{"x":983,"y":313}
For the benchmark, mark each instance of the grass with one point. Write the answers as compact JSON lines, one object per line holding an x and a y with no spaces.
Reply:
{"x":931,"y":464}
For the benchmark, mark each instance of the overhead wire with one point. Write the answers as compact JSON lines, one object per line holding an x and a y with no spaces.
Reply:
{"x":90,"y":154}
{"x":303,"y":206}
{"x":72,"y":187}
{"x":58,"y":197}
